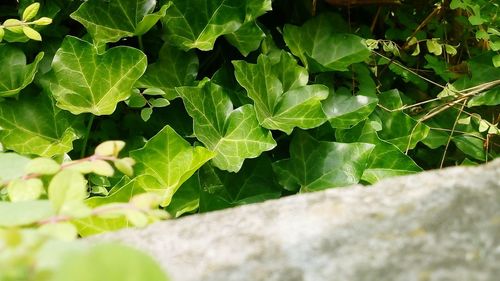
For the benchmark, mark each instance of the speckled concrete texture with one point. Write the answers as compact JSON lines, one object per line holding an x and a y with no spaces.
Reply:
{"x":437,"y":225}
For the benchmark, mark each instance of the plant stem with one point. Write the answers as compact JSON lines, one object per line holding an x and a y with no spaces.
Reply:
{"x":141,"y":45}
{"x":86,"y":137}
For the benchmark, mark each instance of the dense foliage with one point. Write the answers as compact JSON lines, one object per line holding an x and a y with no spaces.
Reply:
{"x":120,"y":113}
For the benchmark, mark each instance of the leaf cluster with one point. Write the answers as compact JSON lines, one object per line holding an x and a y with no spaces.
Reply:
{"x":222,"y":103}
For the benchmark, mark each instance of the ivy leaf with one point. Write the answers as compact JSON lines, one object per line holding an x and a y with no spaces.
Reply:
{"x":279,"y":89}
{"x":24,"y":212}
{"x":82,"y":80}
{"x":397,"y":127}
{"x":34,"y":125}
{"x":321,"y":48}
{"x":470,"y":145}
{"x":345,"y":110}
{"x":316,"y":165}
{"x":233,"y":134}
{"x":15,"y":74}
{"x":255,"y":182}
{"x":174,"y":68}
{"x":197,"y":24}
{"x":484,"y":72}
{"x":187,"y":197}
{"x":109,"y":21}
{"x":247,"y":38}
{"x":386,"y":160}
{"x":166,"y":161}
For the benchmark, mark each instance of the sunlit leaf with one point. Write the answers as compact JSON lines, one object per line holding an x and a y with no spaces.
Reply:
{"x":34,"y":125}
{"x":197,"y":24}
{"x":17,"y":214}
{"x":281,"y":96}
{"x":109,"y":21}
{"x":166,"y":161}
{"x":82,"y":80}
{"x":234,"y":134}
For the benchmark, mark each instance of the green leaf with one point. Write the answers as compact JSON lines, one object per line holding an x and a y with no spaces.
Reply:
{"x":31,"y":33}
{"x":386,"y":160}
{"x":65,"y":189}
{"x":321,"y":48}
{"x":345,"y":110}
{"x":109,"y":21}
{"x":146,"y":113}
{"x":24,"y":212}
{"x":187,"y":197}
{"x":255,"y":182}
{"x":234,"y":134}
{"x":82,"y":80}
{"x":174,"y":68}
{"x":15,"y":74}
{"x":483,"y":72}
{"x":12,"y":166}
{"x":25,"y":190}
{"x":30,"y":11}
{"x":470,"y":145}
{"x":166,"y":161}
{"x":247,"y":38}
{"x":316,"y":165}
{"x":281,"y":96}
{"x":107,"y":262}
{"x":109,"y":148}
{"x":42,"y":166}
{"x":434,"y":47}
{"x":34,"y":125}
{"x":398,"y":128}
{"x":197,"y":24}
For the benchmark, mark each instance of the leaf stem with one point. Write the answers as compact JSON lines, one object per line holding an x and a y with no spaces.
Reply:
{"x":141,"y":44}
{"x":86,"y":137}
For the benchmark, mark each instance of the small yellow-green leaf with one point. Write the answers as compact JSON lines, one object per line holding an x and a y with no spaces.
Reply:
{"x":66,"y":188}
{"x":434,"y":47}
{"x":64,"y":231}
{"x":42,"y":166}
{"x":109,"y":148}
{"x":464,"y":121}
{"x":412,"y":41}
{"x":496,"y":61}
{"x":31,"y":33}
{"x":416,"y":52}
{"x":102,"y":168}
{"x":30,"y":11}
{"x":2,"y":33}
{"x":146,"y":200}
{"x":136,"y":218}
{"x":25,"y":190}
{"x":13,"y":25}
{"x":372,"y":44}
{"x":125,"y":166}
{"x":146,"y":113}
{"x":160,"y":102}
{"x":43,"y":21}
{"x":81,"y":167}
{"x":450,"y":50}
{"x":483,"y":126}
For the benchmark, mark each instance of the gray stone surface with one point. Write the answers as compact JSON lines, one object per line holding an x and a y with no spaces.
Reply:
{"x":438,"y":225}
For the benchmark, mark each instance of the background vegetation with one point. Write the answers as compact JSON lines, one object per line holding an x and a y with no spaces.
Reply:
{"x":122,"y":113}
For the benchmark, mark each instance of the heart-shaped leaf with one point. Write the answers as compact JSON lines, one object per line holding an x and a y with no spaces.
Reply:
{"x":166,"y":161}
{"x":316,"y":165}
{"x":82,"y":80}
{"x":174,"y":68}
{"x":197,"y":24}
{"x":281,"y":96}
{"x":34,"y":125}
{"x":109,"y":21}
{"x":386,"y":160}
{"x":15,"y":74}
{"x":233,"y":134}
{"x":321,"y":47}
